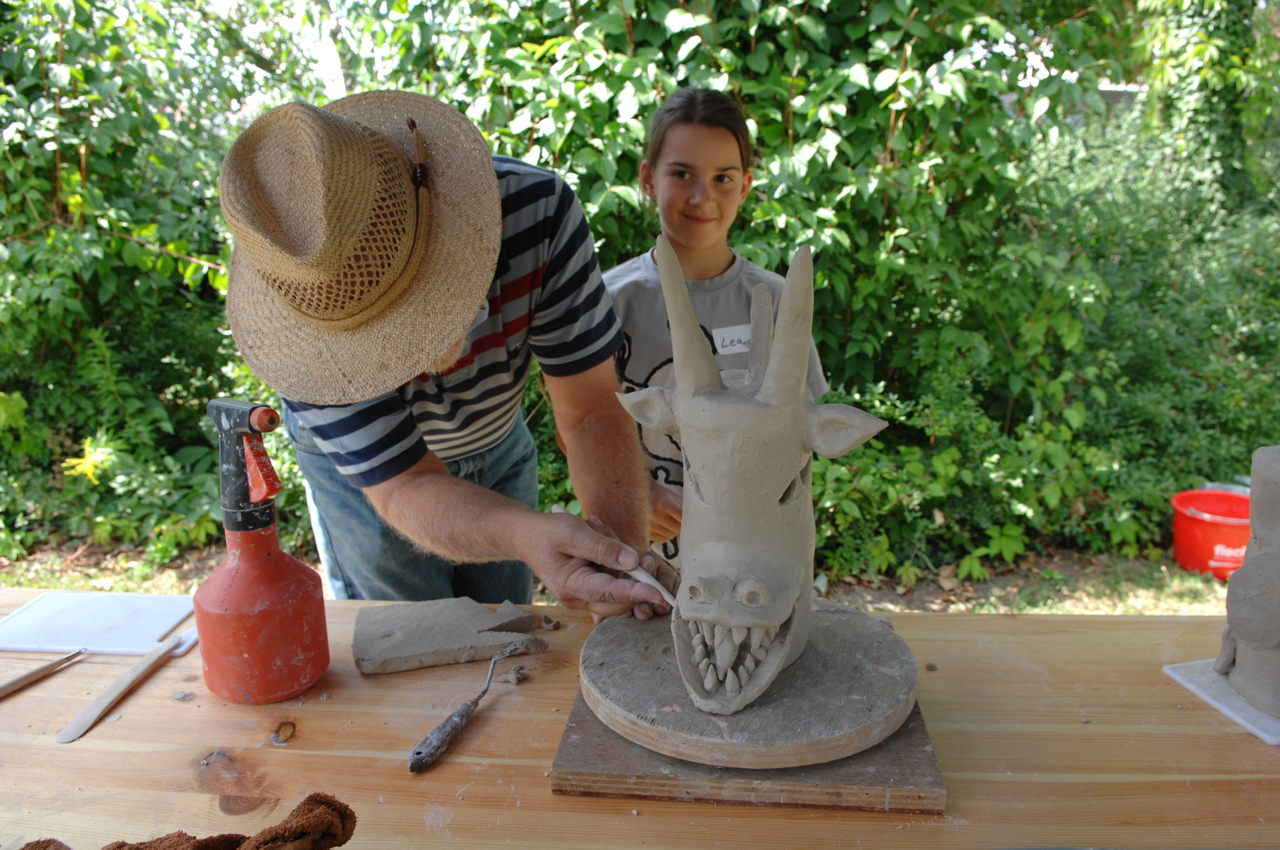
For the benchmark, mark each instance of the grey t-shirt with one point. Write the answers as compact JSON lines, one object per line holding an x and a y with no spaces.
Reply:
{"x":723,"y":307}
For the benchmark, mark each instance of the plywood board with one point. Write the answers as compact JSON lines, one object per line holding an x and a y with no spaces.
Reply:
{"x":900,"y":774}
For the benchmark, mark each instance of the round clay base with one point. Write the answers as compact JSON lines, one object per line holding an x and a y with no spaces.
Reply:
{"x":853,"y":687}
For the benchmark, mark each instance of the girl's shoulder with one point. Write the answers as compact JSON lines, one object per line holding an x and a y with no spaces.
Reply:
{"x":636,"y":274}
{"x":753,"y":274}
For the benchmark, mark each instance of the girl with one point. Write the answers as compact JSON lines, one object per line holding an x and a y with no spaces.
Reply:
{"x":697,"y":167}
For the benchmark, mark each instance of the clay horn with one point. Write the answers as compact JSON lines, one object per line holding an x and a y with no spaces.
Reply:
{"x":789,"y":358}
{"x":761,"y":336}
{"x":695,"y":368}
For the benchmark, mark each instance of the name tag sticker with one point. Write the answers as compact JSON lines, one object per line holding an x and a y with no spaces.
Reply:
{"x":733,"y":340}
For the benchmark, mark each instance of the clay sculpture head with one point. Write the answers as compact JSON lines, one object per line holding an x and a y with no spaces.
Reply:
{"x":1251,"y":645}
{"x":747,"y":537}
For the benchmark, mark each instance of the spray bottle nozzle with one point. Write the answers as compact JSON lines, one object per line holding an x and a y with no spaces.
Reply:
{"x":249,"y":481}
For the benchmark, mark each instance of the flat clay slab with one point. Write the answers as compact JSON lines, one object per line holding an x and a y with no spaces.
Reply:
{"x":900,"y":774}
{"x":409,"y":635}
{"x":852,"y":688}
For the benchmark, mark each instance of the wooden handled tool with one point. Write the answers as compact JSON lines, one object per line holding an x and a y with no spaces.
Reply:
{"x":38,"y":673}
{"x":433,"y":746}
{"x":89,"y":715}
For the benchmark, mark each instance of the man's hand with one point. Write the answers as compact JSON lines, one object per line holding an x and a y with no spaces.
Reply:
{"x":666,"y":510}
{"x":650,"y":563}
{"x":568,"y":555}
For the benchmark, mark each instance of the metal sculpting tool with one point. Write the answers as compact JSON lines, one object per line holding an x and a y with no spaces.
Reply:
{"x":434,"y":745}
{"x":38,"y":673}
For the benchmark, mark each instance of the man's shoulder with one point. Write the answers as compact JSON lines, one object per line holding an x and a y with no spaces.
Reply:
{"x":514,"y":174}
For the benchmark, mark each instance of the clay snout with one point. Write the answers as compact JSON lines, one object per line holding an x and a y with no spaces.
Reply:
{"x":738,"y":586}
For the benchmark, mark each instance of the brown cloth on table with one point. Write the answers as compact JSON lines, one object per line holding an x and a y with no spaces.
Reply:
{"x":317,"y":823}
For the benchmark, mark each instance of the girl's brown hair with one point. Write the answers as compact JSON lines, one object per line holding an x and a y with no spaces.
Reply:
{"x":701,"y":107}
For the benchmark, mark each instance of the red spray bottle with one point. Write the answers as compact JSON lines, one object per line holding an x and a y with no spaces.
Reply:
{"x":260,"y":616}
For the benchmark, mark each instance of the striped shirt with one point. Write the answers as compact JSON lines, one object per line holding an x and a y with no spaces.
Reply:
{"x":546,"y":301}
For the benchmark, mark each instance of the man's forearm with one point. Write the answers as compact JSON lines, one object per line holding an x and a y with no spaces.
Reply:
{"x":467,"y":523}
{"x":607,"y":470}
{"x":449,"y":516}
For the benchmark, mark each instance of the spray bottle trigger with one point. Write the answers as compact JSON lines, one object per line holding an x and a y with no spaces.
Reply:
{"x":263,"y":482}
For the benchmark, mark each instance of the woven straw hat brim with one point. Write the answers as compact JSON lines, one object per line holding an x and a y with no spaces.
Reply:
{"x":316,"y":366}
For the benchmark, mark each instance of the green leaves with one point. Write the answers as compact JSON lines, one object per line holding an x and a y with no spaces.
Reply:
{"x":112,"y":123}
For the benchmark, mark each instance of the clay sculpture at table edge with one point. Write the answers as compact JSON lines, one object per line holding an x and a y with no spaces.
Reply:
{"x":747,"y":536}
{"x":1251,"y":643}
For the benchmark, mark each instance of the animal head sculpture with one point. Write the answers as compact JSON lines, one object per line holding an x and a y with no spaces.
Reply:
{"x":747,"y":538}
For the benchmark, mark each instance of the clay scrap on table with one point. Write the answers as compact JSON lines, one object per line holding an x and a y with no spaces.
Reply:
{"x":748,"y":438}
{"x":1251,"y":644}
{"x":409,"y":635}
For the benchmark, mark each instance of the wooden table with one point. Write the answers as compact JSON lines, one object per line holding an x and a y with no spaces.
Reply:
{"x":1051,"y":731}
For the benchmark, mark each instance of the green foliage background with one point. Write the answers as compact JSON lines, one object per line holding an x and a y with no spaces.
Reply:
{"x":1068,"y":312}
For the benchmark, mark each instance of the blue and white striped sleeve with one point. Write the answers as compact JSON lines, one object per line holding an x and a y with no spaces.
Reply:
{"x":574,"y":326}
{"x":370,"y":441}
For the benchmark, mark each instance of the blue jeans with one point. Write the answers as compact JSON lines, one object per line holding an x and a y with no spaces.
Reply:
{"x":365,"y":558}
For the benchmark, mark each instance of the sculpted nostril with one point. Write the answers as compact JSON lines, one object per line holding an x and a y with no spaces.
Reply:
{"x":696,"y":592}
{"x":752,"y":593}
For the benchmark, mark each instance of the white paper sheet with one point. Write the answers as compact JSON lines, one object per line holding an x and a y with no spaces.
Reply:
{"x":103,"y":623}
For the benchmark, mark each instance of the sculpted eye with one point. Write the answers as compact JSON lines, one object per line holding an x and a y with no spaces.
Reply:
{"x":752,"y":593}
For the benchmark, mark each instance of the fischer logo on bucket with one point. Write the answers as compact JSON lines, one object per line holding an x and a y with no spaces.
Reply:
{"x":1227,"y":556}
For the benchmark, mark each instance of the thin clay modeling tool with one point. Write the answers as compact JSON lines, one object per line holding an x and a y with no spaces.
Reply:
{"x":639,"y":574}
{"x":37,"y":674}
{"x":89,"y":715}
{"x":434,"y":745}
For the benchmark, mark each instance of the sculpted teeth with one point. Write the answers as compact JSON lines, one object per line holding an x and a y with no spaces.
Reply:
{"x":726,"y":652}
{"x":716,"y":653}
{"x":709,"y":682}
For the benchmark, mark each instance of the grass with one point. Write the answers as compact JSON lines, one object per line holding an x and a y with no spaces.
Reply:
{"x":1049,"y":583}
{"x":1055,"y":583}
{"x":81,"y":566}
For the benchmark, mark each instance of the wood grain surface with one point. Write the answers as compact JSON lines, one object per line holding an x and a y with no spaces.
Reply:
{"x":1007,"y":710}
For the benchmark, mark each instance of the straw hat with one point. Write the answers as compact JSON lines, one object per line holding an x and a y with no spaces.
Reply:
{"x":355,"y":269}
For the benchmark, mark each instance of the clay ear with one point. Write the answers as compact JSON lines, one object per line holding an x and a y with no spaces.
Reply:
{"x":836,"y":428}
{"x":652,"y":407}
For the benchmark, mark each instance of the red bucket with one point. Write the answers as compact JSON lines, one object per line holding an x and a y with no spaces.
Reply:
{"x":1210,"y":531}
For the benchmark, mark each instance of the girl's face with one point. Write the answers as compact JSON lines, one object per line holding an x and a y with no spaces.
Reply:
{"x":699,"y":183}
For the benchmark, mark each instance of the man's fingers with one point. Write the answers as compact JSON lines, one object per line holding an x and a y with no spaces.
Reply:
{"x":597,"y":544}
{"x":590,"y":584}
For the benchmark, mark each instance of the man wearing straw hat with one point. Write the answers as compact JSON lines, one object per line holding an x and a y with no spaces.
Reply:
{"x":392,"y":280}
